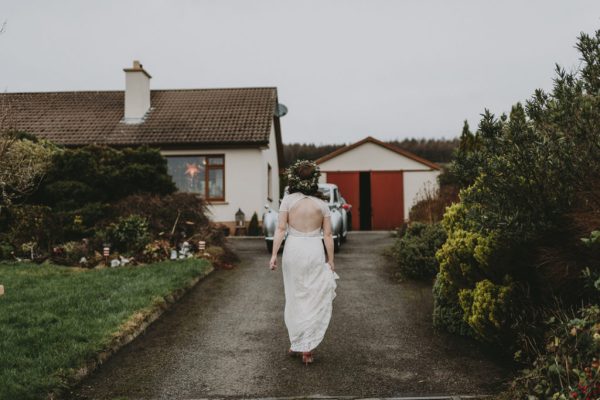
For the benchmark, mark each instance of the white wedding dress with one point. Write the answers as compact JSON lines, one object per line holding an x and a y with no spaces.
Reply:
{"x":309,"y":283}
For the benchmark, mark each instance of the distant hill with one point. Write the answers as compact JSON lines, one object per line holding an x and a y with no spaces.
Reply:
{"x":436,"y":150}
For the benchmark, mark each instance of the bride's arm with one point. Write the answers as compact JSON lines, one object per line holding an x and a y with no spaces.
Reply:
{"x":328,"y":238}
{"x":278,"y":237}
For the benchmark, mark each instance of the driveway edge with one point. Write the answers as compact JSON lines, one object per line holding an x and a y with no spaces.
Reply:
{"x":129,"y":330}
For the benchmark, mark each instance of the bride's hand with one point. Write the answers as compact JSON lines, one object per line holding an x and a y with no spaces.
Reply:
{"x":331,"y":266}
{"x":273,"y":263}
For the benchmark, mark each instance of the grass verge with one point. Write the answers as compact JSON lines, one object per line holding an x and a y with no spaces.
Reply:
{"x":56,"y":322}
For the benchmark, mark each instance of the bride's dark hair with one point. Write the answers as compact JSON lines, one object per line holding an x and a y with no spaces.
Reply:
{"x":303,"y":177}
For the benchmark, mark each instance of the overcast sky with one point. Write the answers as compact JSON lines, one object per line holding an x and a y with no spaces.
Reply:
{"x":345,"y":69}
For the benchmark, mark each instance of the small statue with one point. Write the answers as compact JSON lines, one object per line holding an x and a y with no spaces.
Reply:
{"x":185,"y":251}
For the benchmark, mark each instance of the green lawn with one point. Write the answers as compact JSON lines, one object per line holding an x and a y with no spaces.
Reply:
{"x":53,"y":318}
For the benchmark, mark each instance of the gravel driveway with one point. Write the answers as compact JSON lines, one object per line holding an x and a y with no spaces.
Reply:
{"x":227,"y":338}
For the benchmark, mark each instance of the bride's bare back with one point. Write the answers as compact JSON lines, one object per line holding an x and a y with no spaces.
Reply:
{"x":305,"y":215}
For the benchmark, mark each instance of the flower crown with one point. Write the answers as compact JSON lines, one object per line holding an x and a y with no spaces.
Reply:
{"x":310,"y":184}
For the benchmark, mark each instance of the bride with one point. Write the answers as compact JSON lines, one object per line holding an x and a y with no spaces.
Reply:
{"x":308,"y":280}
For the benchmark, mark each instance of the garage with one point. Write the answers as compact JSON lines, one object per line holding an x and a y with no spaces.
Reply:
{"x":381,"y":181}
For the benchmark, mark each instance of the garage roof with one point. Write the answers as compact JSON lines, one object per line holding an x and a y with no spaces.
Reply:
{"x":370,"y":139}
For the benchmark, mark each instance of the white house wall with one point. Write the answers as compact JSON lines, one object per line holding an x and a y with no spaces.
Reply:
{"x":270,"y":157}
{"x":370,"y":156}
{"x":415,"y":182}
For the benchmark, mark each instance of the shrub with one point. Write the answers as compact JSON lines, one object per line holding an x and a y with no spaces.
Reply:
{"x":157,"y":250}
{"x":414,"y":251}
{"x":28,"y":224}
{"x":447,"y":313}
{"x":566,"y":362}
{"x":6,"y":251}
{"x":173,"y":217}
{"x":70,"y":253}
{"x":432,"y":201}
{"x":128,"y":235}
{"x":525,"y":177}
{"x":488,"y":308}
{"x":23,"y":163}
{"x":253,"y":228}
{"x":101,"y":174}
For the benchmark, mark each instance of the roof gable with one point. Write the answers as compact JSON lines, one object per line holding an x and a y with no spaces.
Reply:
{"x":414,"y":159}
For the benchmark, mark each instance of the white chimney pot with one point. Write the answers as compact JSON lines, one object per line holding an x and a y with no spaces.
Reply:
{"x":137,"y":93}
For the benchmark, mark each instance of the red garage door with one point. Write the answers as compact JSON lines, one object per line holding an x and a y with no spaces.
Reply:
{"x":382,"y":193}
{"x":347,"y":183}
{"x":387,"y":199}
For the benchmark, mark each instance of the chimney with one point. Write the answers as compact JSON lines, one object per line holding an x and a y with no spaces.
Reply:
{"x":137,"y":93}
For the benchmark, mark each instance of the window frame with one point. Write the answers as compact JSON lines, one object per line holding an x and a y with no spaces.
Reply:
{"x":269,"y":182}
{"x":207,"y":168}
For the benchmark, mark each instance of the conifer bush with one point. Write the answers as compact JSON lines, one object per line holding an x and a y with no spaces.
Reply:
{"x":253,"y":228}
{"x":527,"y":185}
{"x":414,"y":252}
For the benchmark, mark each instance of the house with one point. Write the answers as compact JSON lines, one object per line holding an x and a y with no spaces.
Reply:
{"x":223,"y":144}
{"x":381,"y":181}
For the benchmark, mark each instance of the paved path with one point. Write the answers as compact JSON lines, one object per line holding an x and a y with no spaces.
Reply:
{"x":227,"y":338}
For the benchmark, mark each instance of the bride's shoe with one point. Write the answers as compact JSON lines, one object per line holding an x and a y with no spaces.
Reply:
{"x":307,"y":357}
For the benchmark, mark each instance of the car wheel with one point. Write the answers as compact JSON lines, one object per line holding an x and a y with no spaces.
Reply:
{"x":269,"y":246}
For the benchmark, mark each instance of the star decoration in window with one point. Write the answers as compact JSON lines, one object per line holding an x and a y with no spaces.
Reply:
{"x":192,"y":169}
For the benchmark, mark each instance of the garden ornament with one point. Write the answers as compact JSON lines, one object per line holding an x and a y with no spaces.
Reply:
{"x":202,"y":248}
{"x":240,"y":218}
{"x":185,"y":251}
{"x":125,"y":261}
{"x":106,"y":252}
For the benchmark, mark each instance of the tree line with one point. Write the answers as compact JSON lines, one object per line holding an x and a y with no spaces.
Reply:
{"x":436,"y":150}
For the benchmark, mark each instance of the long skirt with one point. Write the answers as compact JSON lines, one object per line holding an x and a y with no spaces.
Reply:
{"x":309,"y":286}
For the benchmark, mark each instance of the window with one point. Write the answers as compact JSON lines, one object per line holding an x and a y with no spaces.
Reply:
{"x":269,"y":182}
{"x":202,"y":174}
{"x":326,"y":193}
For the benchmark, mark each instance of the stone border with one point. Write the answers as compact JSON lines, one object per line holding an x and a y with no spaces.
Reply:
{"x":128,"y":331}
{"x":319,"y":397}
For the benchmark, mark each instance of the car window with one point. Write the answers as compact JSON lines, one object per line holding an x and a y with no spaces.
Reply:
{"x":325,"y":190}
